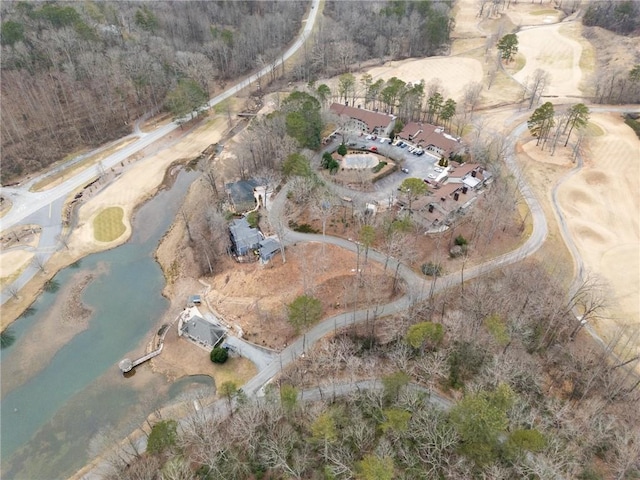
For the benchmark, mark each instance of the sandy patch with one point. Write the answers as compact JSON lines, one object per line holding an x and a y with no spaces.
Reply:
{"x":466,"y":25}
{"x":533,"y":14}
{"x":12,"y":263}
{"x":137,"y":183}
{"x":65,"y":319}
{"x":547,"y":48}
{"x":454,"y":74}
{"x":601,"y":204}
{"x":562,"y":156}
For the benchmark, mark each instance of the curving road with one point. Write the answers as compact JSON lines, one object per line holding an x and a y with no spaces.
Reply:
{"x":45,"y":208}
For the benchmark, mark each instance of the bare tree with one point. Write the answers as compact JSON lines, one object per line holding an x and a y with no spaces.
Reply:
{"x":39,"y":263}
{"x":535,"y":86}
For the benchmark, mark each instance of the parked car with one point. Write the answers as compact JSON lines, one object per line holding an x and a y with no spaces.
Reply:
{"x":400,"y":144}
{"x":352,"y":144}
{"x":382,"y":140}
{"x":404,"y":170}
{"x":439,"y":169}
{"x":373,"y":149}
{"x":411,"y":149}
{"x":420,"y":153}
{"x":404,"y":145}
{"x":431,"y":175}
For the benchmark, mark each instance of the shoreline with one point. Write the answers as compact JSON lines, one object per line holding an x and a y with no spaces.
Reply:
{"x":78,"y":247}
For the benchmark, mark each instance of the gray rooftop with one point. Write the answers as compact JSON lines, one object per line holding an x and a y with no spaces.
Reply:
{"x":268,"y":248}
{"x":202,"y":331}
{"x":244,"y":236}
{"x":241,"y":193}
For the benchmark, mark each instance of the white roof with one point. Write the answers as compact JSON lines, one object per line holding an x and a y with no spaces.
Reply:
{"x":470,"y":181}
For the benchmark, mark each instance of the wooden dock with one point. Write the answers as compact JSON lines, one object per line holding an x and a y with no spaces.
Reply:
{"x":126,"y":365}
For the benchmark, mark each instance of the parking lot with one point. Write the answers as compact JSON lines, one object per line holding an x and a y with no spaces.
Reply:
{"x":423,"y":166}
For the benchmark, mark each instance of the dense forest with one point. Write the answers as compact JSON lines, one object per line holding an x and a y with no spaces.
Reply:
{"x":79,"y":74}
{"x":355,"y":31}
{"x":619,"y":17}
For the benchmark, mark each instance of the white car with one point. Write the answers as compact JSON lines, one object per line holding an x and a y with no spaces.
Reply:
{"x":411,"y":149}
{"x":431,"y":175}
{"x":439,"y":169}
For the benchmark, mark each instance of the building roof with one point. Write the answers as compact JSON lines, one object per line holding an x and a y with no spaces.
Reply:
{"x":462,"y":170}
{"x":241,"y":193}
{"x":199,"y":329}
{"x":371,"y":118}
{"x":425,"y":134}
{"x":447,"y":190}
{"x":243,"y":235}
{"x":268,"y":247}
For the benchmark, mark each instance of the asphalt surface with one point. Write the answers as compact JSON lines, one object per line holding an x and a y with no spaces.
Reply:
{"x":26,"y":204}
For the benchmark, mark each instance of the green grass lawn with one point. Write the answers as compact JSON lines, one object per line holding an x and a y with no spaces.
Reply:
{"x":108,"y":225}
{"x":594,"y":130}
{"x":545,"y":12}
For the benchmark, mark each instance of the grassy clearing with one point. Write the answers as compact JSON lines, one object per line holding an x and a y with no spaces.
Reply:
{"x":9,"y":279}
{"x":58,"y":177}
{"x":518,"y":64}
{"x":544,"y":12}
{"x":594,"y":130}
{"x":108,"y":225}
{"x":238,"y":370}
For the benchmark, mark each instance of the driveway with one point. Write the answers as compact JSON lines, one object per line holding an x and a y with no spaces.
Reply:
{"x":259,"y":356}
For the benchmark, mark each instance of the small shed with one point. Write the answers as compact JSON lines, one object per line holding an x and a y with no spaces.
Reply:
{"x":194,"y":300}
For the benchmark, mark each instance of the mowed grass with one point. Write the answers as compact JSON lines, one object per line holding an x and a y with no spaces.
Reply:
{"x":593,"y":130}
{"x":108,"y":225}
{"x":238,"y":370}
{"x":545,"y":12}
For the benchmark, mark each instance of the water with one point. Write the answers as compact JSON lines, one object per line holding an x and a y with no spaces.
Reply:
{"x":56,"y":420}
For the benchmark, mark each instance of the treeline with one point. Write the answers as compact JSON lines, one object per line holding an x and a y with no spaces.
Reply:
{"x":619,"y":17}
{"x":357,"y":31}
{"x":525,"y":399}
{"x":77,"y":74}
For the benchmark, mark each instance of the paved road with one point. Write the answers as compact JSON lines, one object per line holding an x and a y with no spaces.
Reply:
{"x":417,"y":285}
{"x":259,"y":356}
{"x":26,"y":204}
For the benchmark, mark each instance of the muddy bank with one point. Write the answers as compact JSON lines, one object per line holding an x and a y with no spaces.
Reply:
{"x":68,"y":317}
